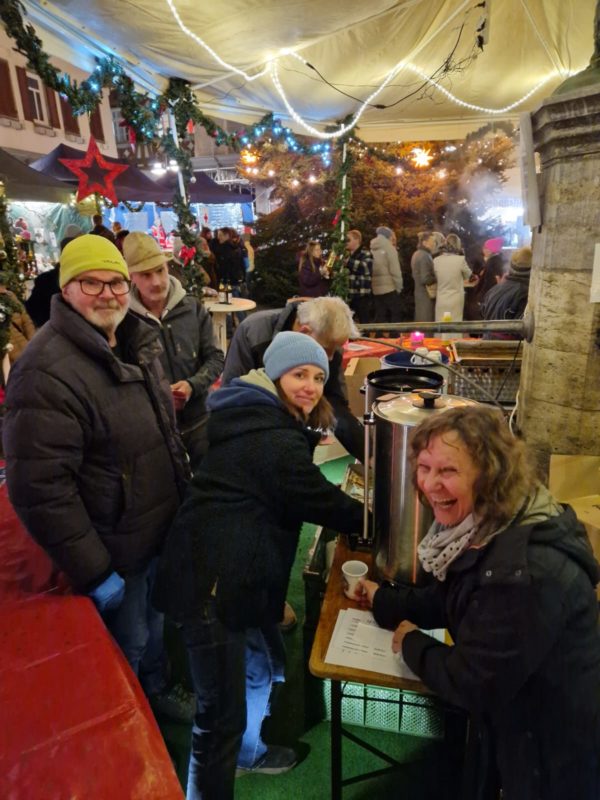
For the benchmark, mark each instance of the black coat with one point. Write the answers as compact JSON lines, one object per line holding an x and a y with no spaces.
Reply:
{"x":246,"y":352}
{"x":523,"y":615}
{"x":189,"y":349}
{"x":230,"y":262}
{"x":240,"y":522}
{"x":94,"y":465}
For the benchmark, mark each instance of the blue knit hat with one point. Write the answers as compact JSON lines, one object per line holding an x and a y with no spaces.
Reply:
{"x":383,"y":231}
{"x":289,"y":350}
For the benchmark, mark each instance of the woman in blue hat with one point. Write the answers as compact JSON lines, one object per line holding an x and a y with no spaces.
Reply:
{"x":226,"y":567}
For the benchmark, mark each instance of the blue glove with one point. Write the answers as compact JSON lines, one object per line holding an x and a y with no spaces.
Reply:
{"x":109,"y":595}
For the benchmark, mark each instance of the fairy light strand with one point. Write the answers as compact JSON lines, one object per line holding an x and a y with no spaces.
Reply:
{"x":271,"y":68}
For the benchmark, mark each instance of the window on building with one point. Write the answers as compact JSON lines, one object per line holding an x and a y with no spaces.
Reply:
{"x":36,"y":99}
{"x":121,"y":134}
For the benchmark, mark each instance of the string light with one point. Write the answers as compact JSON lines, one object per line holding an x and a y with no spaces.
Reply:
{"x":271,"y":67}
{"x":209,"y":49}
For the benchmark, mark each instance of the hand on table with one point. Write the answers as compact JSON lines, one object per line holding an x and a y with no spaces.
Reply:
{"x":365,"y":592}
{"x":182,"y":391}
{"x":399,"y":634}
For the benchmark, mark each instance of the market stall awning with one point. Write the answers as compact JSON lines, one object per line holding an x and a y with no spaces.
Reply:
{"x":323,"y":60}
{"x":132,"y":185}
{"x":24,"y":183}
{"x":204,"y":190}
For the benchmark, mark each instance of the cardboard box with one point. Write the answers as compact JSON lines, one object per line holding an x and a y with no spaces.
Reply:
{"x":355,"y":374}
{"x":576,"y":480}
{"x":574,"y":476}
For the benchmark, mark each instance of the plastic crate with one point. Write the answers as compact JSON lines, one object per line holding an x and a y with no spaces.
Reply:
{"x":388,"y":710}
{"x":501,"y":382}
{"x":493,"y":364}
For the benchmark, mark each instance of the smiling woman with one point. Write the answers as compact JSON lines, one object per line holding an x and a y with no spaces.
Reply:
{"x":226,"y":566}
{"x":514,"y":585}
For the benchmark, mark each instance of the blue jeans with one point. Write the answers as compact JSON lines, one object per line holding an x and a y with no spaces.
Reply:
{"x":265,"y":665}
{"x":217,"y":665}
{"x":138,"y":630}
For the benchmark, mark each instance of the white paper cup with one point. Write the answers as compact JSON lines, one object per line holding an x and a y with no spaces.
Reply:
{"x":351,"y":572}
{"x":435,"y":355}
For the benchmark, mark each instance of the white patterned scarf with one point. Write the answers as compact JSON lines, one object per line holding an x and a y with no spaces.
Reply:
{"x":443,"y":545}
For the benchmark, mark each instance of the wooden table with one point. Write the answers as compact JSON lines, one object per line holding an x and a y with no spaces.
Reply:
{"x":334,"y":601}
{"x":219,"y":312}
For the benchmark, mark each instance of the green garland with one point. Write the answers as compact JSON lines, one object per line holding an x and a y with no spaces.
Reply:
{"x":9,"y":276}
{"x":14,"y":278}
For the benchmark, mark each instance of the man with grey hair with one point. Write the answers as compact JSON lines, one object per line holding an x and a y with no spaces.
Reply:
{"x":329,"y":321}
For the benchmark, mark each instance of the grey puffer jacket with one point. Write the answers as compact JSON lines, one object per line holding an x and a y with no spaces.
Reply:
{"x":190,"y":352}
{"x":387,"y":275}
{"x":94,"y":465}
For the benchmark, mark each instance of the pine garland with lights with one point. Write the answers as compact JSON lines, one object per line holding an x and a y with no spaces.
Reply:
{"x":10,"y":271}
{"x":340,"y":281}
{"x":14,"y":278}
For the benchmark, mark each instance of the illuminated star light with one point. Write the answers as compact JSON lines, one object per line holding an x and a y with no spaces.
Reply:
{"x":421,"y":157}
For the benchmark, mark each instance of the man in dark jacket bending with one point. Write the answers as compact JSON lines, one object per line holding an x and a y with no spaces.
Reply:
{"x":328,"y":320}
{"x":94,"y":464}
{"x":191,"y":359}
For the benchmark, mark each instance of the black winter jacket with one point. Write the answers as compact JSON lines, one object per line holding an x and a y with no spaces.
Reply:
{"x":507,"y":300}
{"x":94,"y":464}
{"x":523,"y":615}
{"x":190,"y":352}
{"x":246,"y":352}
{"x":240,"y":522}
{"x":230,"y":262}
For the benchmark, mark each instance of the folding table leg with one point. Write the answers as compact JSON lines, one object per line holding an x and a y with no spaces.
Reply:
{"x":336,"y":740}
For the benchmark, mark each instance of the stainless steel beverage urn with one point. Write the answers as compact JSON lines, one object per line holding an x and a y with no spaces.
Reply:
{"x":399,"y":519}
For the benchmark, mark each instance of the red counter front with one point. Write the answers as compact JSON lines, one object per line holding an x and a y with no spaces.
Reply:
{"x":75,"y":722}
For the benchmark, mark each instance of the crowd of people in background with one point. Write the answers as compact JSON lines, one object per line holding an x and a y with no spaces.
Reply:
{"x":450,"y":284}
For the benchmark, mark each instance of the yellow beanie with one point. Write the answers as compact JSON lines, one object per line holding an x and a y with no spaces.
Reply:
{"x":89,"y":252}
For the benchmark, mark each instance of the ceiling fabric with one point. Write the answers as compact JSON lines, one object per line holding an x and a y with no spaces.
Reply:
{"x":354,"y":45}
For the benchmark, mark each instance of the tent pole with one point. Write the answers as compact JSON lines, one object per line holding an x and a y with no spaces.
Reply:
{"x":173,"y":126}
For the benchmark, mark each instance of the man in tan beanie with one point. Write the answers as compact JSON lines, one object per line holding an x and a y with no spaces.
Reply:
{"x":508,"y":299}
{"x":94,"y":464}
{"x":191,"y":359}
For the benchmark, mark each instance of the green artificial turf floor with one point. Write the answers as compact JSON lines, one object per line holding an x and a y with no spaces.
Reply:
{"x":428,"y":774}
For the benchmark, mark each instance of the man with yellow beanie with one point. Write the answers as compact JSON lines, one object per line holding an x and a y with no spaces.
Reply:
{"x":94,"y":465}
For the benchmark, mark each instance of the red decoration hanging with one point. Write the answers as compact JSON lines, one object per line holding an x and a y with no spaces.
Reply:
{"x":187,"y":254}
{"x":336,"y":219}
{"x":95,"y":173}
{"x":190,"y":126}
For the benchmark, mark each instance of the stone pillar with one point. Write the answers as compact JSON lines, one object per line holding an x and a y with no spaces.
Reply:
{"x":559,"y":404}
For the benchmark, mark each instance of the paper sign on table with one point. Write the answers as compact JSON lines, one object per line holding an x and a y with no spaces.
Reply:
{"x":358,"y":642}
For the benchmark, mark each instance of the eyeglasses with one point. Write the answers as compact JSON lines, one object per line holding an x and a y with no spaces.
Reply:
{"x":93,"y":287}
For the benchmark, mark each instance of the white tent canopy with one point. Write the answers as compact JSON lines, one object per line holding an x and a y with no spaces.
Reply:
{"x":532,"y":46}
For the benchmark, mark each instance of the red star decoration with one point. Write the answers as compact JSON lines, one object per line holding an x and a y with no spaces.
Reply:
{"x":95,"y":173}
